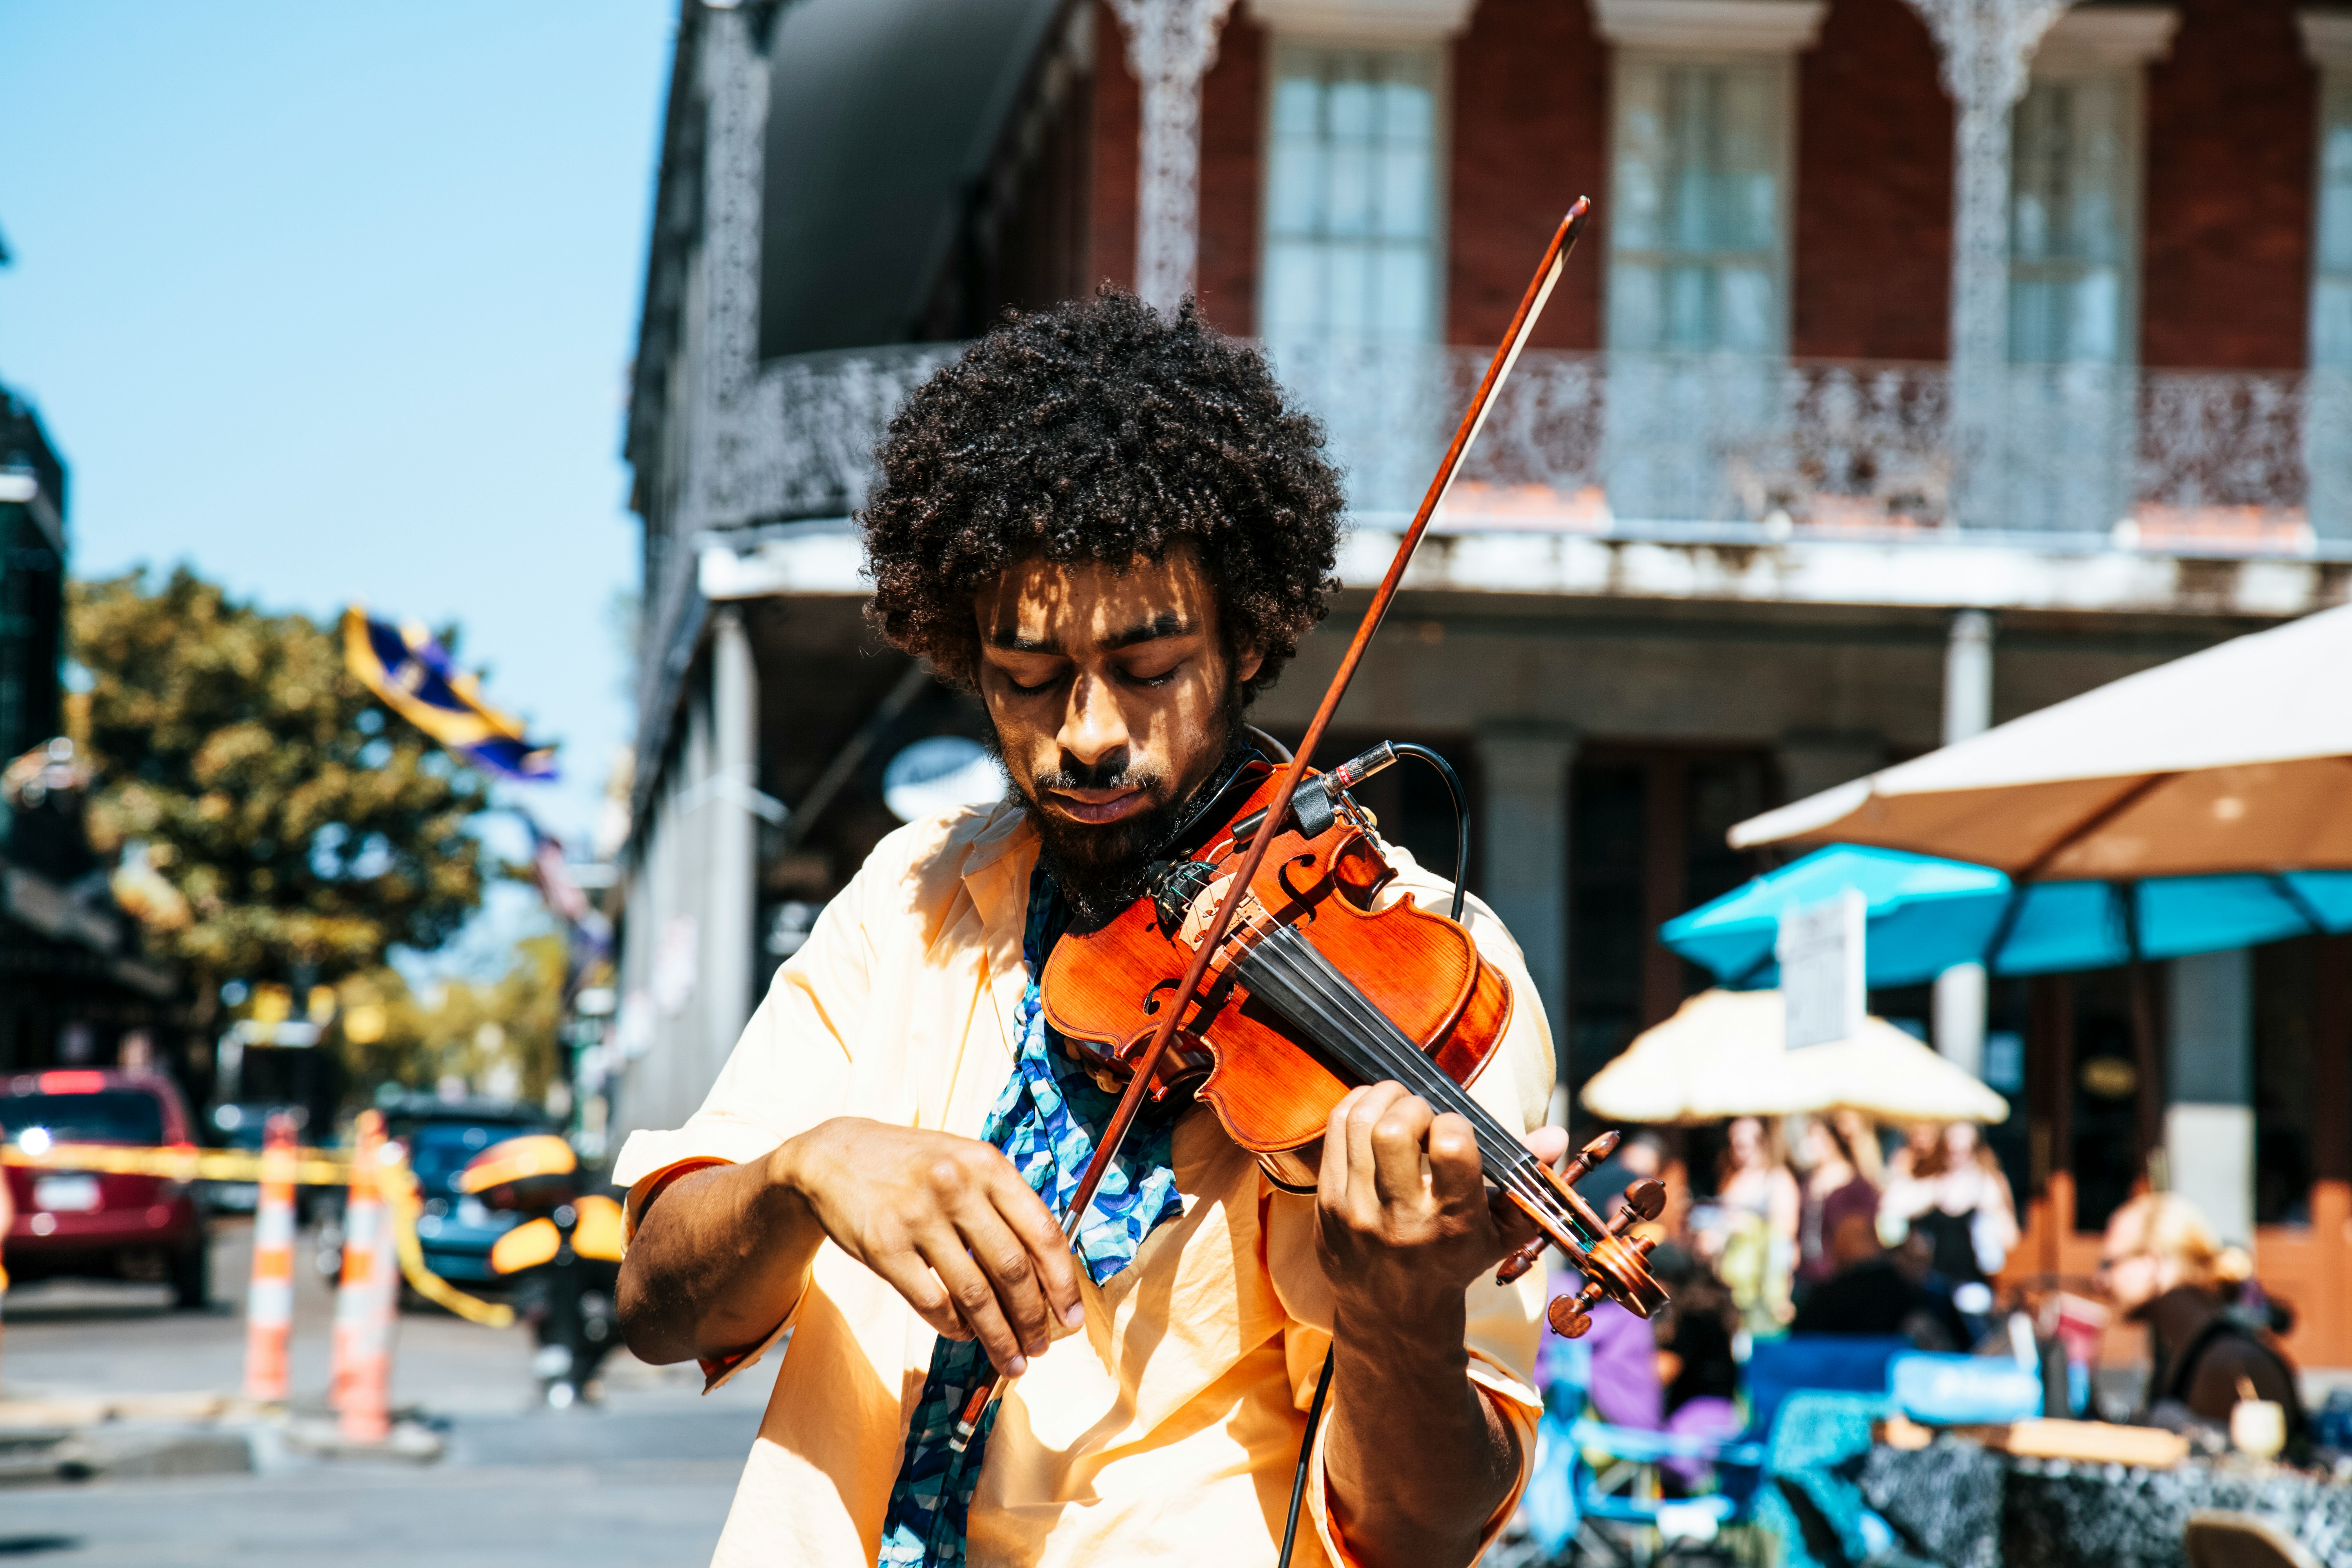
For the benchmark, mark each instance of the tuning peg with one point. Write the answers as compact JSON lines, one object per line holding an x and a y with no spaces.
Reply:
{"x":1570,"y":1316}
{"x":1519,"y":1262}
{"x":1589,"y":1157}
{"x":1645,"y":1200}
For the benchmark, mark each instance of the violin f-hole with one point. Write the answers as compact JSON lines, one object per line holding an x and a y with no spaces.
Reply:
{"x":1299,"y":896}
{"x":1151,"y":997}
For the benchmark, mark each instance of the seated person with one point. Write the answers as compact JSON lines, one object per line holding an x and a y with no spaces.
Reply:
{"x":2161,"y":1264}
{"x":1872,"y":1293}
{"x":1694,"y":1332}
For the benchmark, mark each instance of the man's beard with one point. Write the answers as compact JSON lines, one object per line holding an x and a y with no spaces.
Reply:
{"x":1101,"y":868}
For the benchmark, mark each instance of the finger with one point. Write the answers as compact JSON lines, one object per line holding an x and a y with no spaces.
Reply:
{"x":1546,"y":1144}
{"x":907,"y":1274}
{"x":1048,"y":1249}
{"x":1456,"y":1175}
{"x":1514,"y":1228}
{"x":1363,"y":1160}
{"x":1004,"y":1259}
{"x":975,"y":1298}
{"x":1332,"y":1176}
{"x":1397,"y":1140}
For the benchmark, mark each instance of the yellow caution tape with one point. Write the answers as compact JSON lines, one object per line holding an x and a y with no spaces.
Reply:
{"x":185,"y":1162}
{"x":406,"y":1203}
{"x":314,"y":1167}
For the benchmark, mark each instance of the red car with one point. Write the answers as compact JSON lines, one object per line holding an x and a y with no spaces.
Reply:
{"x":87,"y":1223}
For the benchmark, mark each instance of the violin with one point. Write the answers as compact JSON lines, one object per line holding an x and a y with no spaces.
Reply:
{"x":1315,"y":989}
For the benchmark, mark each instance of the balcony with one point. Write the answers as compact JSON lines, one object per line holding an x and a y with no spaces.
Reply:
{"x":1739,"y":449}
{"x":1722,"y":449}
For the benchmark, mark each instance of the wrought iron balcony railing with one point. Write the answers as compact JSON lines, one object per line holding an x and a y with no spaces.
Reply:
{"x":2223,"y":463}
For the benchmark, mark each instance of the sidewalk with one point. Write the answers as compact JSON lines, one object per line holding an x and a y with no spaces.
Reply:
{"x":643,"y":1479}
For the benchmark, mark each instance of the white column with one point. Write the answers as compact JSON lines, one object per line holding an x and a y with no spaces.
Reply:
{"x":731,"y":867}
{"x":1524,"y":772}
{"x":1984,"y":45}
{"x":1960,"y":1006}
{"x":2209,"y":1121}
{"x":1967,"y":676}
{"x":1171,"y":44}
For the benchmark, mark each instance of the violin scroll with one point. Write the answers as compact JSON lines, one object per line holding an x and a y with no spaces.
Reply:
{"x":1612,"y":1264}
{"x":1616,"y":1266}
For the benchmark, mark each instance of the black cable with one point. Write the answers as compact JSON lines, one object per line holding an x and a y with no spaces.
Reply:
{"x":1461,"y":889}
{"x":1306,"y":1448}
{"x":1461,"y":818}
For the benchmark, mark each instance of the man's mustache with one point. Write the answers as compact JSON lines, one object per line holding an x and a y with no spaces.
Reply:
{"x":1111,"y":772}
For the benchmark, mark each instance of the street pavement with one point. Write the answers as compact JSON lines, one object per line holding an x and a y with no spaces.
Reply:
{"x":642,"y":1481}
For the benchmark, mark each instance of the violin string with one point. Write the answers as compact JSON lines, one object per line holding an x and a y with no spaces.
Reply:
{"x":1401,"y":1059}
{"x":1396,"y":1056}
{"x":1395,"y":1050}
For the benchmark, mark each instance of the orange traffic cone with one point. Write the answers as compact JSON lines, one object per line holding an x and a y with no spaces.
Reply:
{"x":369,"y":1296}
{"x":269,"y":1303}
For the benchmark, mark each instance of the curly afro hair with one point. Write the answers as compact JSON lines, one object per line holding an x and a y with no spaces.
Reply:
{"x":1102,"y":430}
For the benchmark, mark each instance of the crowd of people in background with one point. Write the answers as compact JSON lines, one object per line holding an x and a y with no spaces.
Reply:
{"x":1833,"y":1234}
{"x":1824,"y":1225}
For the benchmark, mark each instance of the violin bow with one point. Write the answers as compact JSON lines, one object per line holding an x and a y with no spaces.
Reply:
{"x":1277,"y":805}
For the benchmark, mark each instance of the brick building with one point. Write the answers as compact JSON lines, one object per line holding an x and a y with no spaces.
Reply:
{"x":1914,"y":376}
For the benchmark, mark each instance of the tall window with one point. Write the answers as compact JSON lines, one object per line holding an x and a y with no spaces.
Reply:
{"x":1351,"y":230}
{"x":2331,"y":284}
{"x":2072,"y":224}
{"x":1699,"y":237}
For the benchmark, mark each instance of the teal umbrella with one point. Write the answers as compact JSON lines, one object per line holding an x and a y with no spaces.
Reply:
{"x":1926,"y":914}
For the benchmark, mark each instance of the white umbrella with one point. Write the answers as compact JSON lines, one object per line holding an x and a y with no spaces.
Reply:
{"x":1722,"y":1055}
{"x":2235,"y":759}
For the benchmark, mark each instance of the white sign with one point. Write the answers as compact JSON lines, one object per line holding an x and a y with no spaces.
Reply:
{"x":939,"y":774}
{"x":1823,"y":986}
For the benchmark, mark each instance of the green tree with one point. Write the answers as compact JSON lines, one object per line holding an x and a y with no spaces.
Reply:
{"x":389,"y":1034}
{"x":303,"y":828}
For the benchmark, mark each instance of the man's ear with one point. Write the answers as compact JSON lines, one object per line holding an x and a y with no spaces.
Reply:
{"x":1246,"y":662}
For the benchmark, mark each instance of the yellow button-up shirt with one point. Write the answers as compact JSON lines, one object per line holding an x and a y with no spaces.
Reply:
{"x":1164,"y":1431}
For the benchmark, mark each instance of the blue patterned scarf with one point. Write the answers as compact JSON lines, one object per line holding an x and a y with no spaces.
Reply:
{"x":1045,"y":1119}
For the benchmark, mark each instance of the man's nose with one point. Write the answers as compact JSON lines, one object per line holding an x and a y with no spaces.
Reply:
{"x":1093,"y":728}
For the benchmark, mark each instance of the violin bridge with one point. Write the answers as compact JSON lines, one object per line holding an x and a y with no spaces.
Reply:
{"x":1203,"y":910}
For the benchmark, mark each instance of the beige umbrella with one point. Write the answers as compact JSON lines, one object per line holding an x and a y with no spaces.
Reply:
{"x":2235,"y":759}
{"x":1722,"y":1055}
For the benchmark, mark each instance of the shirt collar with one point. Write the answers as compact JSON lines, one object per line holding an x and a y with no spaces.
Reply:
{"x":996,"y":876}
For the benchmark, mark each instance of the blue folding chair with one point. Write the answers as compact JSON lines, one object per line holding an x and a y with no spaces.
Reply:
{"x":1597,"y":1489}
{"x":1623,"y":1488}
{"x":1837,"y":1363}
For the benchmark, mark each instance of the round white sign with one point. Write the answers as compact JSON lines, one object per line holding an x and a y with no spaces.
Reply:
{"x":939,"y":774}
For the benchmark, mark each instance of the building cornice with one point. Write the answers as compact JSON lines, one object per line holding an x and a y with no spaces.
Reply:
{"x":2327,"y":38}
{"x":1712,"y":26}
{"x":1722,"y":562}
{"x":1363,"y":21}
{"x":2108,"y":37}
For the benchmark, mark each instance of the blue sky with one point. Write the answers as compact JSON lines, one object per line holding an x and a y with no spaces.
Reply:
{"x":337,"y":302}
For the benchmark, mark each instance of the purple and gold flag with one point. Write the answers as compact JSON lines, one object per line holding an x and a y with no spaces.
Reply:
{"x":412,"y":675}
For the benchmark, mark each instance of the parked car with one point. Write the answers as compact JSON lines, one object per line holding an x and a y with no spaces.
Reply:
{"x":99,"y":1224}
{"x":456,"y":1230}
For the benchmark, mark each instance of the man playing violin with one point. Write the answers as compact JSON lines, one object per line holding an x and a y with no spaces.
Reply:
{"x":1110,"y":525}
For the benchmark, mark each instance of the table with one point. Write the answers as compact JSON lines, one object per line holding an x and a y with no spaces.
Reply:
{"x":1963,"y":1506}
